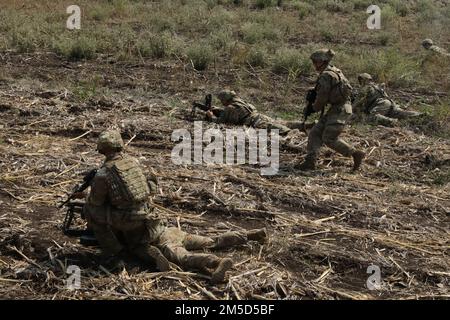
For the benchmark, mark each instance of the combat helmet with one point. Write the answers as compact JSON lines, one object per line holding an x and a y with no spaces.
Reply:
{"x":427,"y":43}
{"x":364,"y":77}
{"x":323,"y":55}
{"x":110,"y":141}
{"x":226,"y":95}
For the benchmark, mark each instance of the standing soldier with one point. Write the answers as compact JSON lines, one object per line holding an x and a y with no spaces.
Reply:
{"x":238,"y":112}
{"x":118,"y":212}
{"x":374,"y":101}
{"x":332,"y":89}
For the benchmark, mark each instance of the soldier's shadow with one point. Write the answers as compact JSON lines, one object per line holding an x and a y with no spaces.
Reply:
{"x":95,"y":261}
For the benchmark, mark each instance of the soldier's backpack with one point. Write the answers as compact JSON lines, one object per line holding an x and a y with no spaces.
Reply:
{"x":378,"y":93}
{"x":342,"y":85}
{"x":128,"y":184}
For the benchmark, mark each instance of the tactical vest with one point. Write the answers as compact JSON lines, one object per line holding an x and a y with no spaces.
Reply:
{"x":341,"y":88}
{"x":378,"y":93}
{"x":128,"y":187}
{"x":247,"y":108}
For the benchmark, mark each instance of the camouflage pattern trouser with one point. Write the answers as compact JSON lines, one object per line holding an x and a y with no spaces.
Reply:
{"x":386,"y":113}
{"x":261,"y":121}
{"x":175,"y":245}
{"x":134,"y":232}
{"x":327,"y":132}
{"x":300,"y":125}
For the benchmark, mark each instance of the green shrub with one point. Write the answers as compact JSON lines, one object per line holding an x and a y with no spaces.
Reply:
{"x":221,"y":40}
{"x":262,"y":4}
{"x":155,"y":46}
{"x":292,"y":62}
{"x":339,"y":6}
{"x":362,"y":4}
{"x":86,"y":89}
{"x":388,"y":16}
{"x":257,"y":57}
{"x":75,"y":49}
{"x":255,"y":32}
{"x":385,"y":38}
{"x":23,"y":40}
{"x":401,"y":7}
{"x":82,"y":48}
{"x":304,"y":9}
{"x":201,"y":55}
{"x":390,"y":66}
{"x":160,"y":24}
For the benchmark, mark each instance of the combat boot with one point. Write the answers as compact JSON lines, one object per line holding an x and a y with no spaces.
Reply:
{"x":308,"y":164}
{"x":230,"y":239}
{"x":219,"y":274}
{"x":114,"y":263}
{"x":358,"y":157}
{"x":162,"y":264}
{"x":259,"y":235}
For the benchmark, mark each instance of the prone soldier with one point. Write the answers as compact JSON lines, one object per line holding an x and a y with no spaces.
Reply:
{"x":429,"y":45}
{"x":374,"y":102}
{"x":236,"y":111}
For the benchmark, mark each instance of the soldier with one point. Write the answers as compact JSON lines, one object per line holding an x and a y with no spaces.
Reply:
{"x":373,"y":101}
{"x":116,"y":208}
{"x":332,"y":89}
{"x":238,"y":112}
{"x":118,"y":212}
{"x":428,"y":45}
{"x":175,"y":245}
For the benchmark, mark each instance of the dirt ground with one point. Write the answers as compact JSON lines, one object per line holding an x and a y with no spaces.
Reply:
{"x":326,"y":227}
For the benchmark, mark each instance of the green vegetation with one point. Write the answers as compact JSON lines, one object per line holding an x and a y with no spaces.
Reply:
{"x":269,"y":36}
{"x":132,"y":29}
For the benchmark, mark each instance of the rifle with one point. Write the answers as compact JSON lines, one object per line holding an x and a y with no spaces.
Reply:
{"x":203,"y":106}
{"x":353,"y":95}
{"x":311,"y":96}
{"x":74,"y":207}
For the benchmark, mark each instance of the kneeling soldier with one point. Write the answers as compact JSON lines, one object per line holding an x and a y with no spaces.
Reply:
{"x":118,"y":212}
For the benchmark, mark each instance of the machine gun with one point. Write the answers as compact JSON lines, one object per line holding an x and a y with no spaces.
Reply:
{"x":73,"y":206}
{"x":207,"y":106}
{"x":203,"y":106}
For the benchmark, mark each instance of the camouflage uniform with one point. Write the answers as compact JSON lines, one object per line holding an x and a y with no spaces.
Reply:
{"x":175,"y":245}
{"x":118,"y":213}
{"x":239,"y":112}
{"x":331,"y":124}
{"x":116,"y":208}
{"x":428,"y":44}
{"x":373,"y":101}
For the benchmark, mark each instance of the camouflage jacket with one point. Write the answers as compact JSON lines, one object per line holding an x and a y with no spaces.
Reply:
{"x":103,"y":188}
{"x":369,"y":97}
{"x":440,"y":51}
{"x":329,"y":92}
{"x":238,"y":112}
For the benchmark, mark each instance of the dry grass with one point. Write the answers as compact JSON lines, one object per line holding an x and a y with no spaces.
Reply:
{"x":326,"y":227}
